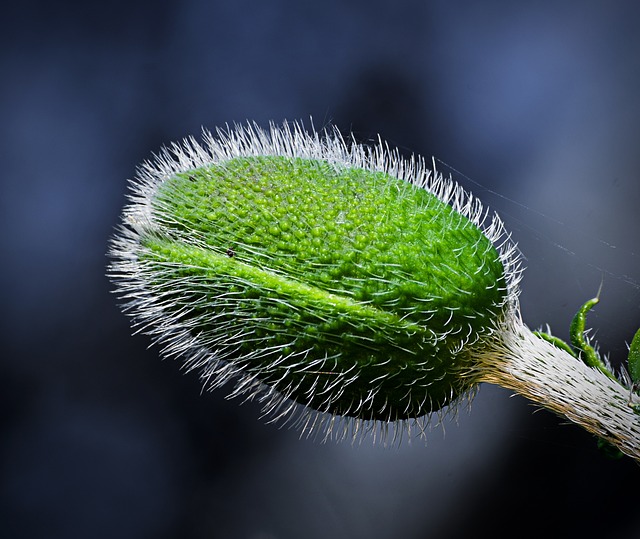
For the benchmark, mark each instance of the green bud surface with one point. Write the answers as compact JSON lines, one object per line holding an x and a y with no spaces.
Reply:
{"x":345,"y":289}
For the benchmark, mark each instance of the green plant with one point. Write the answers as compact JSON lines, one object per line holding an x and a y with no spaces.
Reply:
{"x":345,"y":287}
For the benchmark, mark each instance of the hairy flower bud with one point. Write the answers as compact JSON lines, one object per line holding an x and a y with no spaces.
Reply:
{"x":336,"y":276}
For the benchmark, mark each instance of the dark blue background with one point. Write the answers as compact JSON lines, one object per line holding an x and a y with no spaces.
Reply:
{"x":536,"y":105}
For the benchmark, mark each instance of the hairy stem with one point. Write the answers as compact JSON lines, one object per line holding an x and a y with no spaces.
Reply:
{"x":556,"y":380}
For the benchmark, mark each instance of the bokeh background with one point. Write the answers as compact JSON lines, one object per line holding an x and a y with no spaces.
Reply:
{"x":531,"y":105}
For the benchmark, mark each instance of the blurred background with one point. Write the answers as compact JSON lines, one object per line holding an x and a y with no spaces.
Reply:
{"x":532,"y":106}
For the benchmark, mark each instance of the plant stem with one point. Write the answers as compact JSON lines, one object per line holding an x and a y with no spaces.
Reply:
{"x":553,"y":378}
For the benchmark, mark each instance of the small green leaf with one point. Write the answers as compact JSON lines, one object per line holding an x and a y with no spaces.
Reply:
{"x":634,"y":358}
{"x":577,"y":333}
{"x":579,"y":341}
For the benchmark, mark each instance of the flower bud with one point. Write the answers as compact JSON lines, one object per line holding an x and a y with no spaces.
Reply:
{"x":340,"y":277}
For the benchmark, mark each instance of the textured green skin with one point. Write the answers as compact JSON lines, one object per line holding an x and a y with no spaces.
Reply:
{"x":312,"y":261}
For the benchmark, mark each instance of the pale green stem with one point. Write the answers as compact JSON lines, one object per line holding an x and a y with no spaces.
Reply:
{"x":553,"y":378}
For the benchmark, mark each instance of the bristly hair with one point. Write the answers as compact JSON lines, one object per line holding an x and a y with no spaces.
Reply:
{"x":287,"y":140}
